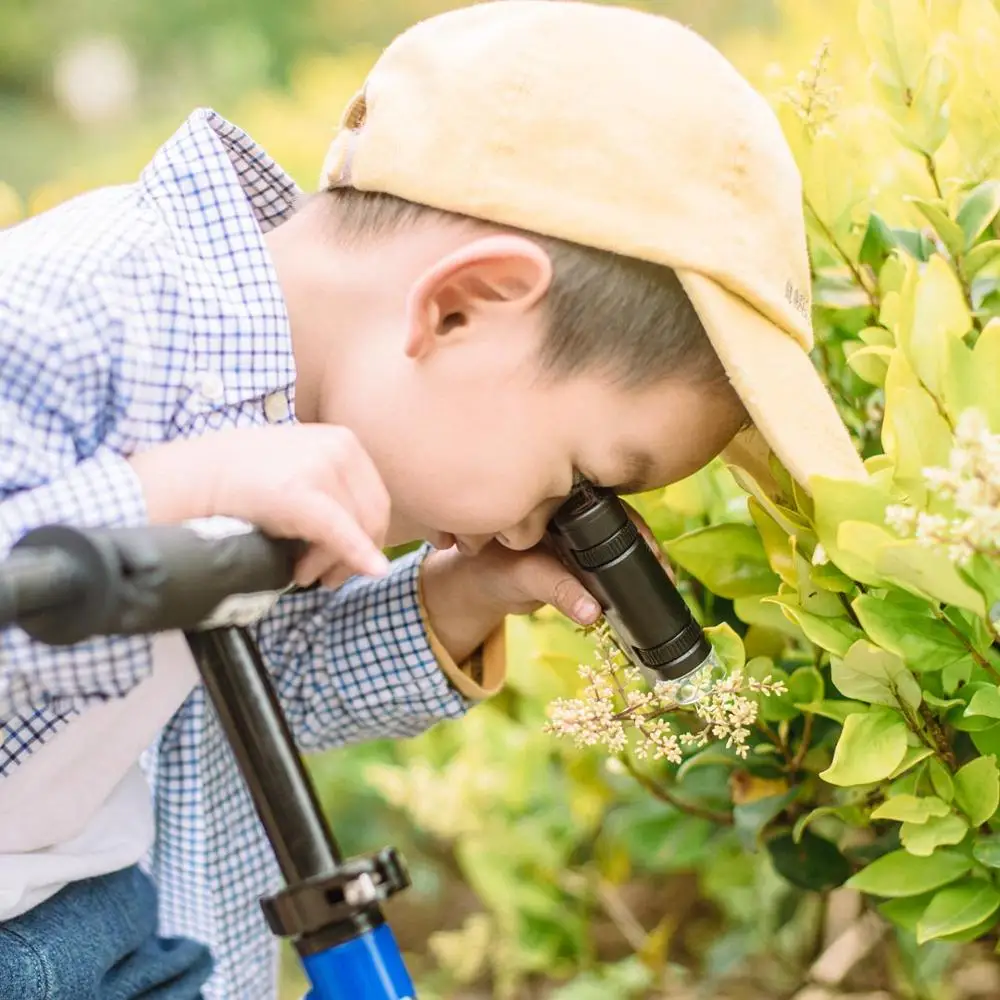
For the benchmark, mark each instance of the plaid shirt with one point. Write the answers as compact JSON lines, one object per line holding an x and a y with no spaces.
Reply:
{"x":144,"y":313}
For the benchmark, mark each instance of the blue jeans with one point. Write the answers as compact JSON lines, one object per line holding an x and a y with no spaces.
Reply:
{"x":97,"y":940}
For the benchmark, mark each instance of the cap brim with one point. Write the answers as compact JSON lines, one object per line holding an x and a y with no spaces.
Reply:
{"x":781,"y":390}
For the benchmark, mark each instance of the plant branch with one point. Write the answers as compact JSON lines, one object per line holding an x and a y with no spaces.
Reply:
{"x":977,"y":657}
{"x":932,"y":171}
{"x":664,"y":794}
{"x":774,"y":737}
{"x":845,"y":257}
{"x":939,"y":742}
{"x":796,"y":762}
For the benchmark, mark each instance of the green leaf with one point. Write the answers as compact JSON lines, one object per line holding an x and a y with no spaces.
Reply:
{"x":805,"y":685}
{"x":985,"y":701}
{"x":986,"y":355}
{"x":897,"y":37}
{"x":977,"y":789}
{"x":950,"y":232}
{"x":757,"y":611}
{"x":810,"y":862}
{"x":915,"y":243}
{"x":870,"y":674}
{"x":924,"y":642}
{"x":954,"y":676}
{"x":838,"y":501}
{"x":978,"y":210}
{"x":924,"y":838}
{"x":906,"y":912}
{"x":979,"y":256}
{"x":877,"y":336}
{"x":837,"y":710}
{"x":728,"y":646}
{"x":957,"y":908}
{"x":870,"y":748}
{"x":941,"y":780}
{"x":776,"y":541}
{"x":877,"y":243}
{"x":728,"y":558}
{"x":900,"y":874}
{"x":914,"y":432}
{"x":714,"y":755}
{"x":751,"y":817}
{"x":913,"y":755}
{"x":939,"y":313}
{"x":832,"y":634}
{"x":986,"y":850}
{"x":911,"y":809}
{"x":848,"y":814}
{"x":927,"y":572}
{"x":871,"y":363}
{"x":987,"y":741}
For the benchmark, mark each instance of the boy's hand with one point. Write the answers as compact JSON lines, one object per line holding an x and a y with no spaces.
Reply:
{"x":466,"y":597}
{"x":312,"y":482}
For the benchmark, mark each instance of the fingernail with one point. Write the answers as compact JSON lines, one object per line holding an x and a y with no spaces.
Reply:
{"x":586,"y":611}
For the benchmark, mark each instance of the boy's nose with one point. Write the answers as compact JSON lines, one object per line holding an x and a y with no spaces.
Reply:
{"x":526,"y":535}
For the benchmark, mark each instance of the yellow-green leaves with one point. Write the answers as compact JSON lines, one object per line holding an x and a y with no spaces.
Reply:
{"x":870,"y":674}
{"x":729,"y":559}
{"x":870,"y":748}
{"x":939,"y":313}
{"x":978,"y":211}
{"x":901,"y":874}
{"x":960,"y":907}
{"x":910,"y":809}
{"x":839,"y":503}
{"x":897,"y":35}
{"x":929,"y":573}
{"x":924,"y":642}
{"x":922,"y":839}
{"x":977,"y":789}
{"x":913,"y":78}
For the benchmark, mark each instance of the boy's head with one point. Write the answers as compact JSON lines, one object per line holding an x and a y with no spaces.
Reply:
{"x":567,"y":239}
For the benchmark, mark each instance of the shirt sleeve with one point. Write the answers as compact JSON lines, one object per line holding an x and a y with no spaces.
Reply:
{"x":56,"y":391}
{"x":360,"y":663}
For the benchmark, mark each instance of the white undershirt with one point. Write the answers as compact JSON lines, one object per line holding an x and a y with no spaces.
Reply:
{"x":80,"y":805}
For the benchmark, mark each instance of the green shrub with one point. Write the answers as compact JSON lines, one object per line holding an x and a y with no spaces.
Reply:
{"x":874,"y":606}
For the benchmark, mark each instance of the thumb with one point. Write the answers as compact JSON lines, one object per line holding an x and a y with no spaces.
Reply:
{"x":565,"y":593}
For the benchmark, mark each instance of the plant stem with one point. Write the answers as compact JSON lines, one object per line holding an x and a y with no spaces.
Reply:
{"x":978,"y":657}
{"x":774,"y":737}
{"x":939,"y":742}
{"x":796,"y":762}
{"x":842,"y":253}
{"x":849,"y":610}
{"x":932,"y":170}
{"x":664,"y":794}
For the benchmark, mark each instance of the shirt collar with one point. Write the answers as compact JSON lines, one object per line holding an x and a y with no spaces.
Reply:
{"x":219,"y":192}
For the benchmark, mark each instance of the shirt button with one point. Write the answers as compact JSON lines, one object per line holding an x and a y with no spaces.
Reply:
{"x":210,"y":386}
{"x":276,"y":407}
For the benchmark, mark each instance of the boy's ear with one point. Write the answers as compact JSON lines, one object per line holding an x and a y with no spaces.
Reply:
{"x":502,"y":272}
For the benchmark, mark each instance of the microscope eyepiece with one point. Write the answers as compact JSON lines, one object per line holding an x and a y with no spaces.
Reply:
{"x":601,"y":545}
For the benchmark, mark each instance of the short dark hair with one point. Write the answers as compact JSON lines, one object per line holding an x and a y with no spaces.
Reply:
{"x":607,"y":311}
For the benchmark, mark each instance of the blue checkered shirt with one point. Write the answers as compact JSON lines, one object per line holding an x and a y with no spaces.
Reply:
{"x":150,"y":312}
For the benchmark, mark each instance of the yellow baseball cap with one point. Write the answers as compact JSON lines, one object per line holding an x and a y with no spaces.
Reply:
{"x":627,"y":132}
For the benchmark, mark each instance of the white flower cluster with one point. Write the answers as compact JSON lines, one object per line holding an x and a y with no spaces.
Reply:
{"x":812,"y":96}
{"x":613,"y":701}
{"x":969,"y":487}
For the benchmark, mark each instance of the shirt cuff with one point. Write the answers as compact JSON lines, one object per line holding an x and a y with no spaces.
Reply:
{"x":483,"y":673}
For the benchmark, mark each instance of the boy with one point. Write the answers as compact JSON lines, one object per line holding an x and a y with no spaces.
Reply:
{"x":552,"y":240}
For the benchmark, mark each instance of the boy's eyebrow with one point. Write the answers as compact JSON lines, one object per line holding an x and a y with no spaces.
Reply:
{"x":638,"y":466}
